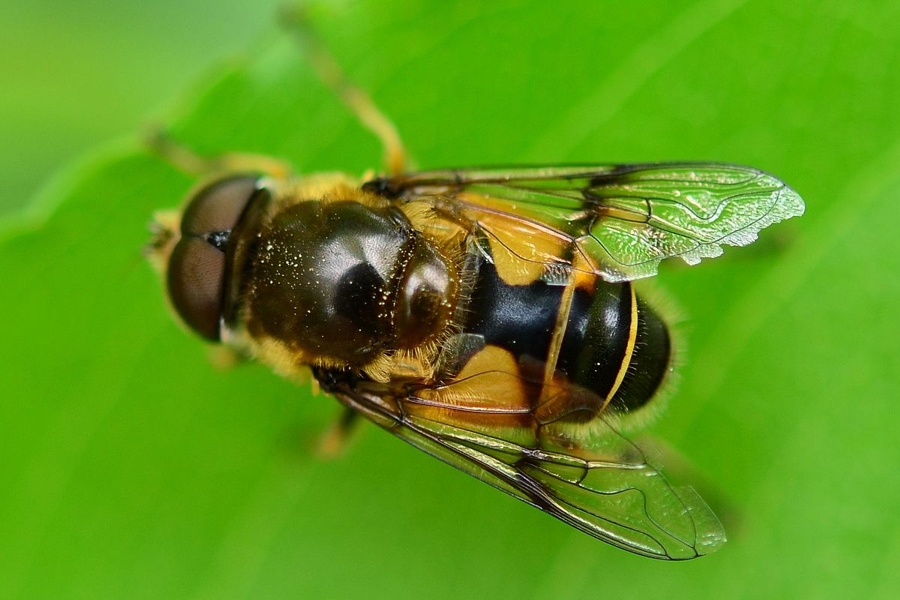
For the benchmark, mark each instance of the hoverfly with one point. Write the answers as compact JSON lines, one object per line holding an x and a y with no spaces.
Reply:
{"x":486,"y":316}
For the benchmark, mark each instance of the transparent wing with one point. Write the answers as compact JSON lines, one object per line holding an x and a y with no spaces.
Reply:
{"x":600,"y":483}
{"x":622,"y":220}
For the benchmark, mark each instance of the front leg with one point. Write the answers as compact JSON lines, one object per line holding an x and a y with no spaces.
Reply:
{"x":189,"y":162}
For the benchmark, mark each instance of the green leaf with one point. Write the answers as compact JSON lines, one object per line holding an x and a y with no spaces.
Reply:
{"x":132,"y":468}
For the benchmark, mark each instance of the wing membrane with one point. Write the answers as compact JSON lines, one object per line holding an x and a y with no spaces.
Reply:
{"x":623,"y":219}
{"x":602,"y":485}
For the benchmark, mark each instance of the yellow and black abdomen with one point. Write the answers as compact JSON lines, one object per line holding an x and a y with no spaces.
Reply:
{"x":615,"y":345}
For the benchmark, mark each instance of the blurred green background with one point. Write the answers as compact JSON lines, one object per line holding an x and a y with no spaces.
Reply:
{"x":129,"y":467}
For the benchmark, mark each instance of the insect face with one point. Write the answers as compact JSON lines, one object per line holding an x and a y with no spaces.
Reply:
{"x":197,"y":264}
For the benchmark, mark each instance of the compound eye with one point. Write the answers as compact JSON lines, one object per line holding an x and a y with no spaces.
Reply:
{"x":218,"y":206}
{"x":196,"y":275}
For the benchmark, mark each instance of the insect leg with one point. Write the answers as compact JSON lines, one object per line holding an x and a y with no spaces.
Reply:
{"x":334,"y":439}
{"x":329,"y":71}
{"x":224,"y":357}
{"x":186,"y":160}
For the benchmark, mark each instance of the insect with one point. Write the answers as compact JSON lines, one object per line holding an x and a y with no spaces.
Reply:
{"x":487,"y":317}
